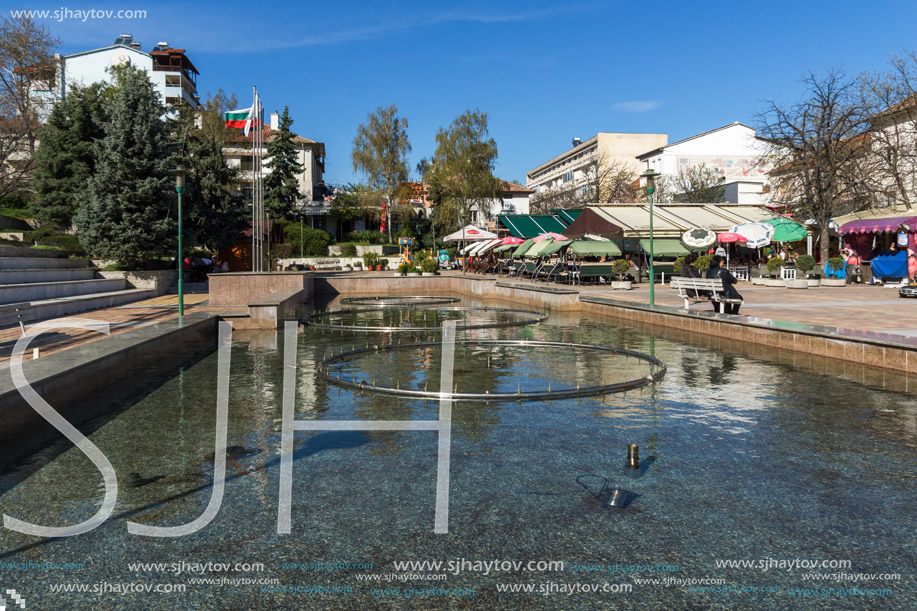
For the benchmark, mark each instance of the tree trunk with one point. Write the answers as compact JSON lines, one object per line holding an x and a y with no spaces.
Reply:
{"x":823,"y":242}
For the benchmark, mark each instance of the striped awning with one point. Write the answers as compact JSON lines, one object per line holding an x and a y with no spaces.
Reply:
{"x":527,"y":226}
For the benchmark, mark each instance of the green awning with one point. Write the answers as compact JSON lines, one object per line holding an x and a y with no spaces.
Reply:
{"x":527,"y":226}
{"x":505,"y":247}
{"x":567,"y":215}
{"x":522,"y":248}
{"x":665,"y":247}
{"x":555,"y":246}
{"x":538,"y":249}
{"x":595,"y":248}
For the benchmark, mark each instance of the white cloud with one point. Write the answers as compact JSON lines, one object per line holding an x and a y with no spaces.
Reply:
{"x":637,"y":106}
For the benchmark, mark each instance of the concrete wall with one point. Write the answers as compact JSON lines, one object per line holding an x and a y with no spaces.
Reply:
{"x":94,"y":368}
{"x":243,"y":288}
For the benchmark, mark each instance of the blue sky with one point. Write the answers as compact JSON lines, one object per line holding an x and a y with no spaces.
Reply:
{"x":545,"y":72}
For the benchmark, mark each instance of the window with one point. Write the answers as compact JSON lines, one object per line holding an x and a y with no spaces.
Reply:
{"x":568,"y":176}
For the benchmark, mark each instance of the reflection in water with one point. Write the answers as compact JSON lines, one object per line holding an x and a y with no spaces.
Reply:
{"x":741,"y":457}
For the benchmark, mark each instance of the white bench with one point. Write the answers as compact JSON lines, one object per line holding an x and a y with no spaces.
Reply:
{"x":703,"y":289}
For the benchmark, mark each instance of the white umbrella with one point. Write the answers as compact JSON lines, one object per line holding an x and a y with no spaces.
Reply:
{"x":470,"y":234}
{"x":758,"y":234}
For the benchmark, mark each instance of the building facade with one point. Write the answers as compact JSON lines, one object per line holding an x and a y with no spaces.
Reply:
{"x":173,"y":75}
{"x":577,"y":167}
{"x":310,"y":154}
{"x":732,"y":151}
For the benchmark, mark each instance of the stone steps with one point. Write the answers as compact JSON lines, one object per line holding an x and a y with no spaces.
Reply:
{"x":38,"y":291}
{"x":41,"y":262}
{"x":65,"y":306}
{"x":32,"y":276}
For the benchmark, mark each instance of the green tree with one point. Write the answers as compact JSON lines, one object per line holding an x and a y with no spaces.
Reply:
{"x":281,"y":187}
{"x":128,"y":211}
{"x":460,"y":175}
{"x":211,"y":209}
{"x":380,"y":151}
{"x":66,"y":158}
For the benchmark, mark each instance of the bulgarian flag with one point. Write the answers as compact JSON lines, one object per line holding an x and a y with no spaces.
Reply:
{"x":241,"y":119}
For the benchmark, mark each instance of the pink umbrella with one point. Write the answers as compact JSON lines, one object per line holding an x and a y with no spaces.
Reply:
{"x":728,"y":238}
{"x":511,"y":240}
{"x":556,"y":236}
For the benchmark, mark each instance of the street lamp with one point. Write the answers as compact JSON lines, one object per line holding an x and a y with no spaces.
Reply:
{"x":179,"y":185}
{"x":464,"y":257}
{"x":650,"y":176}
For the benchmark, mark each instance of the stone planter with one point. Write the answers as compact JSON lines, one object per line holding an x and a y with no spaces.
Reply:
{"x":797,"y":284}
{"x":833,"y":282}
{"x":414,"y":275}
{"x":758,"y":281}
{"x":622,"y":285}
{"x":813,"y":281}
{"x":774,"y":282}
{"x":430,"y":273}
{"x":398,"y":274}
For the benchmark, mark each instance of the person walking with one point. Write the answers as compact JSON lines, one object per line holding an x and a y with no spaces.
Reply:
{"x":716,"y":271}
{"x":853,"y":267}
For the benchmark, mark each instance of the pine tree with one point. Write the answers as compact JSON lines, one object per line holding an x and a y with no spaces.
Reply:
{"x":281,"y":187}
{"x":212,"y":212}
{"x":128,"y":211}
{"x":66,"y":156}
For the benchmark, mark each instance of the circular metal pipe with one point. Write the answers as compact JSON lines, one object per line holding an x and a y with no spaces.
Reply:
{"x":325,"y":366}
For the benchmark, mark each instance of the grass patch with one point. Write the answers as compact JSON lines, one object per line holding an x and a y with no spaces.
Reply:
{"x":16,"y":213}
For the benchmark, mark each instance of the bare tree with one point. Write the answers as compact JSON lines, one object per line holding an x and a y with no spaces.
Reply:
{"x":692,"y":184}
{"x":27,"y":74}
{"x":891,"y":97}
{"x":819,"y":149}
{"x":609,"y":180}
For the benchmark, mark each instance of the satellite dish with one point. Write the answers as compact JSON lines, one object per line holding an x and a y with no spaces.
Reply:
{"x":120,"y":58}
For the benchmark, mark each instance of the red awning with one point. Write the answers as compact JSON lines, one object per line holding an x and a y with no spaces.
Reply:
{"x":889,"y":225}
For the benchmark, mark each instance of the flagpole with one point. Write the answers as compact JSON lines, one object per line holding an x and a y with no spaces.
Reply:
{"x":254,"y":193}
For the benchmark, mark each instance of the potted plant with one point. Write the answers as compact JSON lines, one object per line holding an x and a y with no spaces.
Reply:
{"x":619,"y":268}
{"x":774,"y":264}
{"x":413,"y":271}
{"x":835,"y":264}
{"x":805,"y":264}
{"x":428,"y":266}
{"x":383,"y":264}
{"x":369,"y":260}
{"x":703,"y":264}
{"x":403,"y":269}
{"x":357,"y":265}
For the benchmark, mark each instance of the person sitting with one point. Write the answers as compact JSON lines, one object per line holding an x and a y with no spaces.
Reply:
{"x":716,"y":271}
{"x":689,"y":271}
{"x":911,"y":265}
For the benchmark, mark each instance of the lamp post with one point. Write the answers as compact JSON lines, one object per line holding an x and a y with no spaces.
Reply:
{"x":179,"y":185}
{"x":650,"y":176}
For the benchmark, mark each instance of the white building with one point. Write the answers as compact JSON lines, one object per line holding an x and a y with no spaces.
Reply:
{"x":732,"y":151}
{"x":173,"y":75}
{"x":573,"y":168}
{"x":310,"y":154}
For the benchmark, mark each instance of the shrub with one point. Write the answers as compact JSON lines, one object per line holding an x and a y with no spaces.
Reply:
{"x":314,"y":241}
{"x":805,"y":263}
{"x":405,"y":268}
{"x":282,"y":251}
{"x":370,"y":258}
{"x":678,"y":264}
{"x":620,"y":267}
{"x":367,"y":237}
{"x":348,"y":250}
{"x":836,"y":264}
{"x":358,"y":265}
{"x":384,"y":263}
{"x":774,"y":264}
{"x":703,"y":263}
{"x":428,"y":265}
